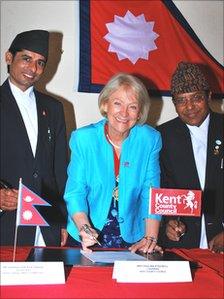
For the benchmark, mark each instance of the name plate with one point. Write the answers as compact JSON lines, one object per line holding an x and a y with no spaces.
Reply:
{"x":152,"y":271}
{"x":32,"y":273}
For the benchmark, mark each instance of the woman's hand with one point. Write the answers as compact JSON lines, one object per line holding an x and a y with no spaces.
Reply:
{"x":87,"y":235}
{"x":88,"y":239}
{"x":146,"y":245}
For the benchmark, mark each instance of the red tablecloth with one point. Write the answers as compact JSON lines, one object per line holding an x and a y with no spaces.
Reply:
{"x":97,"y":282}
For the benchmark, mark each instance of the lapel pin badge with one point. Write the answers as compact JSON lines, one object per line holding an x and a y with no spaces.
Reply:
{"x":49,"y":134}
{"x":216,"y":148}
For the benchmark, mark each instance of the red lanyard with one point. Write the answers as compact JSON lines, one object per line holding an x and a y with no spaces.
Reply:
{"x":116,"y":163}
{"x":116,"y":158}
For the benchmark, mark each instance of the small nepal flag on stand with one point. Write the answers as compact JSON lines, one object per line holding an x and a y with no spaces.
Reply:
{"x":27,"y":214}
{"x":175,"y":202}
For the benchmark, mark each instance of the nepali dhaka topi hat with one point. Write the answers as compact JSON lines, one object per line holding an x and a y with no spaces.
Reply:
{"x":33,"y":40}
{"x":188,"y":77}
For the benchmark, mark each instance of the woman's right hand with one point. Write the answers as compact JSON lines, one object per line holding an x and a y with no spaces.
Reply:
{"x":88,"y":235}
{"x":87,"y":239}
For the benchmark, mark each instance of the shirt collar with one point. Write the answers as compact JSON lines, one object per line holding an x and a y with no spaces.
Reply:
{"x":203,"y":126}
{"x":28,"y":93}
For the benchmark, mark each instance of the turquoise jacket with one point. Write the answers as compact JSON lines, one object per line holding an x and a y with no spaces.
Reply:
{"x":91,"y":178}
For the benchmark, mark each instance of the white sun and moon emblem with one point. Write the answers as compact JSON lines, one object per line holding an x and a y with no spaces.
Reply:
{"x":131,"y":37}
{"x":27,"y":214}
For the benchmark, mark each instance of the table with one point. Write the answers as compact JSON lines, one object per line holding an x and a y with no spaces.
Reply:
{"x":97,"y":282}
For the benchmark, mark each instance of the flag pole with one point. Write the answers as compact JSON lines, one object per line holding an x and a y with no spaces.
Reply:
{"x":17,"y":218}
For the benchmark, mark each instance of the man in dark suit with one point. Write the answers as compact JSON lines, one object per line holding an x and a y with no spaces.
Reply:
{"x":33,"y":143}
{"x":192,"y":158}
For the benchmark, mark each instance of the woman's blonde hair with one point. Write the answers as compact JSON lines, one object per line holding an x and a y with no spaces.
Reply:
{"x":123,"y":79}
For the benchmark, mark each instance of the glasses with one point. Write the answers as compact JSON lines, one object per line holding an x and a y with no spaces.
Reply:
{"x":194,"y":99}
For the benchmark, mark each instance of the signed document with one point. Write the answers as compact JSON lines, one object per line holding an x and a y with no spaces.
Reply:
{"x":112,"y":256}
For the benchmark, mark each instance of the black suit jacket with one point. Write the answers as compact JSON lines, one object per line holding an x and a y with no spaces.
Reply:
{"x":178,"y":170}
{"x":45,"y":174}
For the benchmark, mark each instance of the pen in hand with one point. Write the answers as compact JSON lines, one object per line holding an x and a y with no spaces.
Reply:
{"x":88,"y":231}
{"x":180,"y":234}
{"x":3,"y":185}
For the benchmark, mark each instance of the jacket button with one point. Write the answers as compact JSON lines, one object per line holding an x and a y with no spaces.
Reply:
{"x":35,"y":175}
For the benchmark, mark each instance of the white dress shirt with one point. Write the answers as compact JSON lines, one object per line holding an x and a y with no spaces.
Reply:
{"x":199,"y":139}
{"x":26,"y":102}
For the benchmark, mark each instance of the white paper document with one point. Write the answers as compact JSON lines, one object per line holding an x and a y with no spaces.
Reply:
{"x":32,"y":273}
{"x":112,"y":256}
{"x":152,"y":271}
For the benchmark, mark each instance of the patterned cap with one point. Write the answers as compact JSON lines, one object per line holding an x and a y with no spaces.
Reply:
{"x":188,"y":77}
{"x":33,"y":40}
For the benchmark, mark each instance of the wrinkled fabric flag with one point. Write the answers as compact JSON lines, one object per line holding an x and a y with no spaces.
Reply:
{"x":144,"y":38}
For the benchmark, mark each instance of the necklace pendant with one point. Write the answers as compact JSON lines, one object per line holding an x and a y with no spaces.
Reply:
{"x":115,"y":193}
{"x":114,"y":212}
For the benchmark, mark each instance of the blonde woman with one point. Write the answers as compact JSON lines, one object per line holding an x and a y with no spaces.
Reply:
{"x":113,"y":164}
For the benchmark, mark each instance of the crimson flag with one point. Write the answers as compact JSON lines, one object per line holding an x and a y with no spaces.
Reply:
{"x":145,"y":38}
{"x":175,"y":202}
{"x":27,"y":214}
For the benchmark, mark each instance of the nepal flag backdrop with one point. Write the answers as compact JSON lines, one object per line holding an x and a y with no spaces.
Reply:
{"x":144,"y":38}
